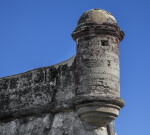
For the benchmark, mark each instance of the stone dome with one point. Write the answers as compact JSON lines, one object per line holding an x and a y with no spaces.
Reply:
{"x":97,"y":16}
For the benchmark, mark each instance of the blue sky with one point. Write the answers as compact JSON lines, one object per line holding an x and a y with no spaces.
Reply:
{"x":37,"y":33}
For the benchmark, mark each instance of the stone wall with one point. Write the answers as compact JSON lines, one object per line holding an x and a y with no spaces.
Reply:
{"x":80,"y":96}
{"x":40,"y":102}
{"x":29,"y":101}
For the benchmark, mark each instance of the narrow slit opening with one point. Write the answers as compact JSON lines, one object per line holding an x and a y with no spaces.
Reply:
{"x":104,"y":43}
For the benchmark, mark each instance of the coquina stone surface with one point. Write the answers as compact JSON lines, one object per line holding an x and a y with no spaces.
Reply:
{"x":80,"y":96}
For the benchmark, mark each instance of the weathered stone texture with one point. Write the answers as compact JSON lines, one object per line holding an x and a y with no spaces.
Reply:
{"x":34,"y":125}
{"x":97,"y":66}
{"x":36,"y":91}
{"x":25,"y":98}
{"x":42,"y":107}
{"x":80,"y":96}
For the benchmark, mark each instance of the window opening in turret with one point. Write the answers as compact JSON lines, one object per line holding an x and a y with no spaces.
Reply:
{"x":104,"y":43}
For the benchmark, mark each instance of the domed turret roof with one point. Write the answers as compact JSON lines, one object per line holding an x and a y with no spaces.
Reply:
{"x":97,"y":16}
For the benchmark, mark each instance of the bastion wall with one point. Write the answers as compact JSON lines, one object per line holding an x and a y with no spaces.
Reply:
{"x":80,"y":96}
